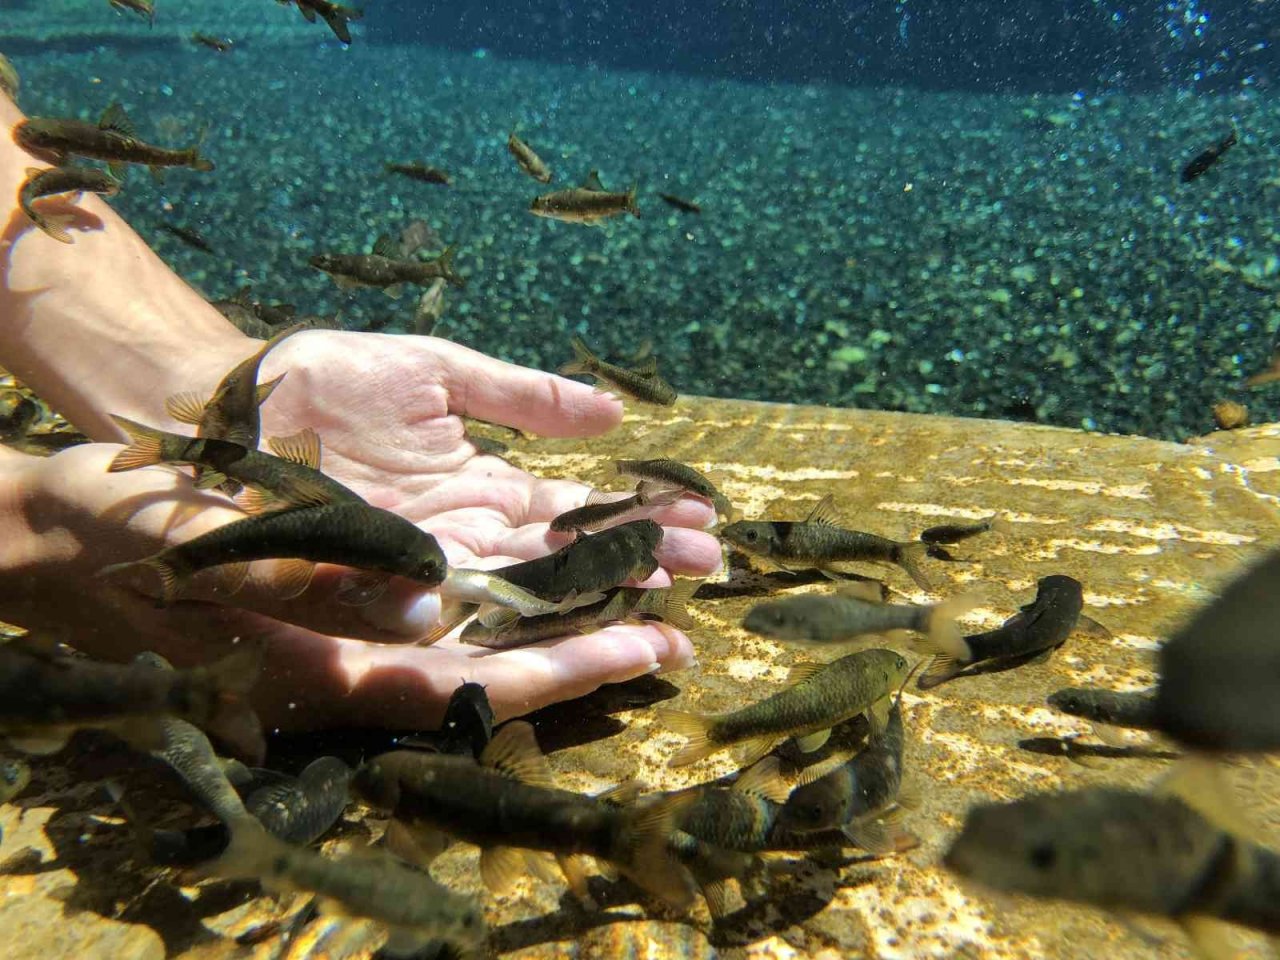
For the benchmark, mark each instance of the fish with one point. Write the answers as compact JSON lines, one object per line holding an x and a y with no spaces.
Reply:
{"x":1269,"y":375}
{"x":377,"y":542}
{"x":188,"y":236}
{"x":335,"y":15}
{"x":601,"y":509}
{"x":508,"y":806}
{"x":585,"y":206}
{"x":819,"y":697}
{"x":418,"y":235}
{"x":820,"y":542}
{"x":684,"y":206}
{"x":46,"y":696}
{"x":527,"y":159}
{"x":111,"y":139}
{"x":420,"y":172}
{"x":144,"y":8}
{"x":1122,"y":850}
{"x":642,"y":383}
{"x":1136,"y":709}
{"x":10,"y":82}
{"x":955,"y":532}
{"x":18,"y":414}
{"x":274,"y":482}
{"x":301,"y":810}
{"x":430,"y":308}
{"x":854,"y":611}
{"x":1208,"y":157}
{"x":217,"y":44}
{"x":468,"y":723}
{"x":47,"y":182}
{"x":14,"y":777}
{"x":1215,"y":685}
{"x":489,"y":587}
{"x":1029,"y":636}
{"x":676,"y":474}
{"x":624,"y":603}
{"x":386,"y":269}
{"x":592,"y":563}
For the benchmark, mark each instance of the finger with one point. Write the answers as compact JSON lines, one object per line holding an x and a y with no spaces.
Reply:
{"x":543,"y":403}
{"x":690,"y":553}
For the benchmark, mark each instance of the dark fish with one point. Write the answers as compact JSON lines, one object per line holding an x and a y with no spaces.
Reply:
{"x":855,"y":611}
{"x":820,"y":696}
{"x":467,"y":727}
{"x":1029,"y":636}
{"x":45,"y":697}
{"x":219,"y":44}
{"x":386,"y":269}
{"x":375,"y":541}
{"x":10,"y":82}
{"x":144,"y":8}
{"x":419,"y":172}
{"x":243,"y":318}
{"x":819,"y":542}
{"x":955,"y":532}
{"x":302,"y":810}
{"x":188,"y":236}
{"x":642,"y":383}
{"x":18,"y":413}
{"x":602,"y":509}
{"x":14,"y":777}
{"x":508,"y":806}
{"x":47,"y":182}
{"x":274,"y":482}
{"x":684,"y":206}
{"x":528,"y":161}
{"x":1136,"y":709}
{"x":334,"y":14}
{"x":110,"y":139}
{"x":1208,"y":157}
{"x":584,"y":206}
{"x":676,"y":474}
{"x":1216,"y":687}
{"x":592,"y":563}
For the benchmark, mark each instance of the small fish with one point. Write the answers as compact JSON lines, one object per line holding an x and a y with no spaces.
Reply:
{"x":642,"y":383}
{"x":45,"y":697}
{"x":820,"y":542}
{"x":625,"y":603}
{"x":275,"y":482}
{"x":489,"y":587}
{"x":334,"y":14}
{"x":673,"y":473}
{"x":684,"y":206}
{"x":47,"y":182}
{"x":188,"y":236}
{"x":385,"y":269}
{"x":1134,"y":709}
{"x":508,"y":806}
{"x":1122,"y":850}
{"x":602,"y":509}
{"x":218,"y":44}
{"x":110,"y":139}
{"x":955,"y":532}
{"x":584,"y":206}
{"x":144,"y":8}
{"x":467,"y":727}
{"x":420,"y":172}
{"x":18,"y":414}
{"x":10,"y":82}
{"x":527,"y":160}
{"x":1029,"y":636}
{"x":243,"y":318}
{"x":1208,"y":157}
{"x":820,"y":696}
{"x":376,"y":542}
{"x":854,"y":611}
{"x":592,"y":563}
{"x":418,"y":235}
{"x":430,"y":308}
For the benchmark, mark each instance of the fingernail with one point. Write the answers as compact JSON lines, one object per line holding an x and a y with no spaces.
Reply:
{"x":409,"y":616}
{"x":654,"y":668}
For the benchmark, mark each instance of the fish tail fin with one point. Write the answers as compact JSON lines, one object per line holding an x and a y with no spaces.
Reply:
{"x":943,"y":632}
{"x":196,"y":162}
{"x":909,"y":555}
{"x":632,"y":207}
{"x":584,"y":361}
{"x":695,"y":727}
{"x":146,"y":446}
{"x":1001,"y":524}
{"x":233,"y":719}
{"x":643,"y":850}
{"x":941,"y":669}
{"x":675,"y":605}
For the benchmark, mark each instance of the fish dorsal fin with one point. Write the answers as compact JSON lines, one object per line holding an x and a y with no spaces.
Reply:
{"x":384,"y":246}
{"x":800,"y":672}
{"x":764,"y":780}
{"x":592,"y":181}
{"x":648,"y":367}
{"x":599,"y":496}
{"x":824,"y":511}
{"x":302,"y":447}
{"x":513,"y":752}
{"x":114,"y":118}
{"x":1198,"y":782}
{"x":186,"y":407}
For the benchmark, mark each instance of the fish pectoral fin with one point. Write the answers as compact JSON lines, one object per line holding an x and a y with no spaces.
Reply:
{"x":647,"y":855}
{"x":264,"y":390}
{"x":941,"y":669}
{"x":1092,"y":628}
{"x":574,"y":868}
{"x":415,"y":843}
{"x":878,"y":715}
{"x":496,"y":617}
{"x":256,"y":500}
{"x":764,"y":780}
{"x":292,"y":577}
{"x":869,"y":835}
{"x":187,"y":407}
{"x":513,"y":752}
{"x":909,"y":797}
{"x":209,"y":479}
{"x":302,"y":447}
{"x":358,"y":587}
{"x":814,"y":741}
{"x":501,"y":867}
{"x":824,"y":512}
{"x":716,"y":893}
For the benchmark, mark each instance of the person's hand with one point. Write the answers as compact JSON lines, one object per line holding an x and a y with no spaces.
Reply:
{"x":384,"y":407}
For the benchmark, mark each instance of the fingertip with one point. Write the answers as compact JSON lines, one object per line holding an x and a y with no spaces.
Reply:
{"x":408,"y":614}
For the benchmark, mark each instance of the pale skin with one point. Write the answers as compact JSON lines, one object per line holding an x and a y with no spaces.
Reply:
{"x":102,"y":326}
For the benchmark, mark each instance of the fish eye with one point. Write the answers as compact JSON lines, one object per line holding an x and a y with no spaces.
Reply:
{"x":1043,"y":856}
{"x":752,"y":536}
